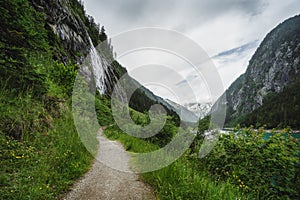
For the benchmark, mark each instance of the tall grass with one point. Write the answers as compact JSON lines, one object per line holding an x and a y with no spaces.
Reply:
{"x":179,"y":180}
{"x":40,"y":152}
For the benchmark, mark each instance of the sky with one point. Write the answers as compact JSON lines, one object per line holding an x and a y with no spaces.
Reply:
{"x":228,"y":31}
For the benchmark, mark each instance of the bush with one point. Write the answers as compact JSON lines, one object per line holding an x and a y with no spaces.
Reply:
{"x":45,"y":165}
{"x":268,"y":168}
{"x":180,"y":180}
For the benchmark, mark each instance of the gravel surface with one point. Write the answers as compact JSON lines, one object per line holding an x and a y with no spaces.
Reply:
{"x":103,"y":181}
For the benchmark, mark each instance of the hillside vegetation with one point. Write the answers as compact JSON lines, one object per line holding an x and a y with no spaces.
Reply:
{"x":268,"y":93}
{"x":286,"y":114}
{"x":246,"y":165}
{"x":42,"y":44}
{"x":41,"y":154}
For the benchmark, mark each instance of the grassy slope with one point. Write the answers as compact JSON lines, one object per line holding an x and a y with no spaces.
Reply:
{"x":180,"y":180}
{"x":40,"y":152}
{"x":244,"y":167}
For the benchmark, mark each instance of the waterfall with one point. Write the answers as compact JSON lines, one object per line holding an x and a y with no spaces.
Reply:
{"x":99,"y":68}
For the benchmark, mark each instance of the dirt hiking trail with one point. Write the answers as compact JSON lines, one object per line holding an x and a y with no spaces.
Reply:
{"x":104,"y":182}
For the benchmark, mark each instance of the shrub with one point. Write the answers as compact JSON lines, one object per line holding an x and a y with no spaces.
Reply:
{"x":266,"y":167}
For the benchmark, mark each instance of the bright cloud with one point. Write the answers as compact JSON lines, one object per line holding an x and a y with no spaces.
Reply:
{"x":229,"y":31}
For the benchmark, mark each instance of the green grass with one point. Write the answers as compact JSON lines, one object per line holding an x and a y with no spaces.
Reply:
{"x":130,"y":143}
{"x":103,"y":110}
{"x":265,"y":168}
{"x":179,"y":180}
{"x":41,"y":154}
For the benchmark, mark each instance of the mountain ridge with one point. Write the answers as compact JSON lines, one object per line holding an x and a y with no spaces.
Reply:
{"x":274,"y":66}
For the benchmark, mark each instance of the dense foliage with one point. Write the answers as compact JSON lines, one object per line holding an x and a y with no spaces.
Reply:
{"x":140,"y":102}
{"x":287,"y":112}
{"x":266,"y":168}
{"x":22,"y":44}
{"x":180,"y":180}
{"x":267,"y":94}
{"x":46,"y":162}
{"x":247,"y":165}
{"x":41,"y":154}
{"x":162,"y":138}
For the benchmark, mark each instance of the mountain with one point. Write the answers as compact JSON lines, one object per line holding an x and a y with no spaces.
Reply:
{"x":70,"y":29}
{"x":44,"y":46}
{"x":185,"y":114}
{"x":267,"y":94}
{"x":199,"y":109}
{"x":142,"y":98}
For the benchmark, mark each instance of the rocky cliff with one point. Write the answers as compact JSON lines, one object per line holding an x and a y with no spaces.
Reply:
{"x":274,"y":66}
{"x":73,"y":35}
{"x":68,"y":21}
{"x":81,"y":36}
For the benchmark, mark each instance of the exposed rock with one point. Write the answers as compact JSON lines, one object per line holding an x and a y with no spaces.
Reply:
{"x":72,"y":27}
{"x":274,"y":65}
{"x":68,"y":27}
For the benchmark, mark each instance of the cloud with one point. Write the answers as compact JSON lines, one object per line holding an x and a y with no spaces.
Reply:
{"x":232,"y":63}
{"x":175,"y":14}
{"x":238,"y":50}
{"x":228,"y":30}
{"x":188,"y":79}
{"x":253,"y":7}
{"x":181,"y":83}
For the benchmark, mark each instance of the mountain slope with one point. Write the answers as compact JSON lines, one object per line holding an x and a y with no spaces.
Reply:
{"x":42,"y":46}
{"x":274,"y":66}
{"x":185,"y":114}
{"x":279,"y":110}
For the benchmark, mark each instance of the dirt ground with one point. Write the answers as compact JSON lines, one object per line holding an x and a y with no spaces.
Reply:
{"x":103,"y":181}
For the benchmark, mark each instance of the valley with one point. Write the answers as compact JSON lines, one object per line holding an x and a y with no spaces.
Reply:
{"x":61,"y":83}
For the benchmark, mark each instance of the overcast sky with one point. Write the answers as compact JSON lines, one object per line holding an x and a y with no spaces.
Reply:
{"x":229,"y":31}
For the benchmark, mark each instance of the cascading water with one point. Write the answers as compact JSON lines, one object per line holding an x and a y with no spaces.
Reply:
{"x":97,"y":71}
{"x":98,"y":68}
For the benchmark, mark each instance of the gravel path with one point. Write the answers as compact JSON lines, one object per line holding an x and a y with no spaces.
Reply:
{"x":104,"y":182}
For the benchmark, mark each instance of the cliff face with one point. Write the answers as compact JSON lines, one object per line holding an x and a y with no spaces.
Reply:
{"x":73,"y":36}
{"x":82,"y":40}
{"x":66,"y":19}
{"x":274,"y":66}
